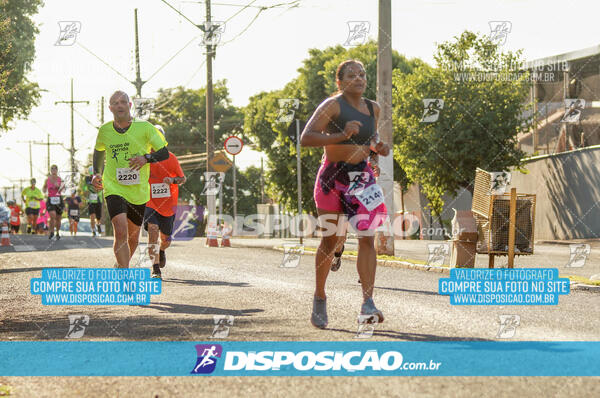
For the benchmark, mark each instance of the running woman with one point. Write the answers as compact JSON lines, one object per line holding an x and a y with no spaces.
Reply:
{"x":94,"y":199}
{"x":32,"y":196}
{"x":42,"y":221}
{"x":165,"y":178}
{"x":124,"y":178}
{"x":15,"y":216}
{"x":346,"y":126}
{"x":73,"y":203}
{"x":55,"y":187}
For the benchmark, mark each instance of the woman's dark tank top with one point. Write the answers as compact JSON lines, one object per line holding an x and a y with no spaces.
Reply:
{"x":349,"y":113}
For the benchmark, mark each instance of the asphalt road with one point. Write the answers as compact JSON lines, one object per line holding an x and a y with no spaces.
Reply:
{"x":273,"y":303}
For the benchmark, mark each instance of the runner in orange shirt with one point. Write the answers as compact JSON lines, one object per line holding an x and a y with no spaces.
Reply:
{"x":165,"y":178}
{"x":15,"y":219}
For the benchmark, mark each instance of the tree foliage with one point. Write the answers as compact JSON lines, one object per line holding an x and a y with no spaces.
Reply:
{"x":17,"y":35}
{"x":484,"y":100}
{"x":182,"y":114}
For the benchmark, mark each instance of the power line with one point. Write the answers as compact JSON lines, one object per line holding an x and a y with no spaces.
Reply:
{"x":71,"y":103}
{"x":101,"y":60}
{"x":158,"y":107}
{"x":170,"y":59}
{"x":245,"y":29}
{"x":178,"y":12}
{"x":237,"y":13}
{"x":227,"y":4}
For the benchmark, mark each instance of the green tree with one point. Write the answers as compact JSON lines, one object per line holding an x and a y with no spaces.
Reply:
{"x":315,"y":82}
{"x":17,"y":35}
{"x":478,"y":124}
{"x":182,"y":113}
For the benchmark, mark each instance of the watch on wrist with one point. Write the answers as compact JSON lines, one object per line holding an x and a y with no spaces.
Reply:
{"x":148,"y":158}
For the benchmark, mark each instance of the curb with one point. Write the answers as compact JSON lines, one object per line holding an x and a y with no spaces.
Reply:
{"x":583,"y":286}
{"x":388,"y":263}
{"x":420,"y":267}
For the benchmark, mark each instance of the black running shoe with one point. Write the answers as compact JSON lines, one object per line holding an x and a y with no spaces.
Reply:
{"x":162,"y":258}
{"x":29,"y":229}
{"x":156,"y":272}
{"x":51,"y":235}
{"x":337,"y":260}
{"x":57,"y":236}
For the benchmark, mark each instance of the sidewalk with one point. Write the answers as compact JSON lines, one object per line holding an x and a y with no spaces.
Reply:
{"x":546,"y":255}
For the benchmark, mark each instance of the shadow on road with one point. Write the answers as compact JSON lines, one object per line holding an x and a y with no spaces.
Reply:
{"x":198,"y":309}
{"x":37,"y":243}
{"x":392,"y":334}
{"x":30,"y":269}
{"x":204,"y":283}
{"x":139,"y":328}
{"x":408,"y":290}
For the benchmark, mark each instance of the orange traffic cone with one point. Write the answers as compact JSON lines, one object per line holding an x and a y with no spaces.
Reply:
{"x":225,"y":242}
{"x":5,"y":236}
{"x":211,"y":237}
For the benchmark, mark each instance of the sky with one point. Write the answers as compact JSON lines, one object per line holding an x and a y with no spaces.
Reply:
{"x":263,"y":57}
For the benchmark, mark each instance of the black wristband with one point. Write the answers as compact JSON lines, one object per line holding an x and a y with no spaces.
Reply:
{"x":158,"y":156}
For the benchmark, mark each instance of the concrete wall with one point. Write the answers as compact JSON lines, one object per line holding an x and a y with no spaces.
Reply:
{"x":567,"y":186}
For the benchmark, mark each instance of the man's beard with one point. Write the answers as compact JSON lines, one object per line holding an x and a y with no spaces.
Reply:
{"x":124,"y":118}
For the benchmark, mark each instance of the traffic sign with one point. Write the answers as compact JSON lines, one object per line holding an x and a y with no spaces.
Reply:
{"x":220,"y":162}
{"x":233,"y":145}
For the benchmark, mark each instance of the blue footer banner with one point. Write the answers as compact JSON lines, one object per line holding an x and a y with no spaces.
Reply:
{"x":309,"y":358}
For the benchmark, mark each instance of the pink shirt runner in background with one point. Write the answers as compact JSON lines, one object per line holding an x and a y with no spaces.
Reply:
{"x":53,"y":188}
{"x":43,"y":217}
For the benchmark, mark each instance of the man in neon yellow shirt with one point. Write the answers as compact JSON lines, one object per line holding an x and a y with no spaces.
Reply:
{"x":127,"y":142}
{"x":31,"y":196}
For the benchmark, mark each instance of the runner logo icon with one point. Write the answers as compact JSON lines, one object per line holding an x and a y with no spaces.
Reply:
{"x":77,"y":325}
{"x":207,"y":358}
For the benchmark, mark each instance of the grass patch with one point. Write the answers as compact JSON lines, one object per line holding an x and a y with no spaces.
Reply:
{"x":379,"y":257}
{"x":573,"y":278}
{"x":581,"y":279}
{"x":5,"y":390}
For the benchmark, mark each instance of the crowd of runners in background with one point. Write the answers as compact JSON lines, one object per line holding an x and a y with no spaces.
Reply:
{"x":40,"y":212}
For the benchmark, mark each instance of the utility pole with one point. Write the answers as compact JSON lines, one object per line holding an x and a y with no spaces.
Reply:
{"x":48,"y":143}
{"x":210,"y":133}
{"x":30,"y":157}
{"x":262,"y":182}
{"x":20,"y":181}
{"x":72,"y":150}
{"x":384,"y":242}
{"x":138,"y":82}
{"x":101,"y":111}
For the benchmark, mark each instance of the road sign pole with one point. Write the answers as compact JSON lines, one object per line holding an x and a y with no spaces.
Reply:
{"x":234,"y":190}
{"x":298,"y":172}
{"x":233,"y":145}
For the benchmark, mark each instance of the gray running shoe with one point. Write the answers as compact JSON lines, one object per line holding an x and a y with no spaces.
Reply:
{"x":319,"y":313}
{"x":368,"y":308}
